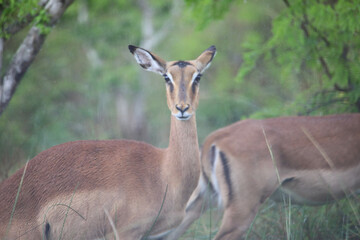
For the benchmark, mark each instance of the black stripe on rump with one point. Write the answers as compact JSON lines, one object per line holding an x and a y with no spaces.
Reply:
{"x":47,"y":231}
{"x":226,"y":167}
{"x":212,"y":156}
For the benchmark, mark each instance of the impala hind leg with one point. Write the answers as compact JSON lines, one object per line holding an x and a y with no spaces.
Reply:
{"x":236,"y":221}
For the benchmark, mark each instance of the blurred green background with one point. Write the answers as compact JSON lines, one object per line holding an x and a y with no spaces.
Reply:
{"x":274,"y":58}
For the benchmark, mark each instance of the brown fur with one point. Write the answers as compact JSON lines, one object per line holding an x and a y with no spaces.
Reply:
{"x":313,"y":160}
{"x":68,"y":188}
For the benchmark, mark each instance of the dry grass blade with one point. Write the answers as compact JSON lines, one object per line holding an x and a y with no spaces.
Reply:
{"x":288,"y":216}
{"x":332,"y":166}
{"x":319,"y":148}
{"x":161,"y":207}
{"x":67,"y":211}
{"x":116,"y":235}
{"x":16,"y":199}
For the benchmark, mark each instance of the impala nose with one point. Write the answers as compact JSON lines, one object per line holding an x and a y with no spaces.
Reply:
{"x":182,"y":108}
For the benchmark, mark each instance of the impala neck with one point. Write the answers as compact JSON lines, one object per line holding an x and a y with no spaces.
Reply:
{"x":183,"y":157}
{"x":183,"y":137}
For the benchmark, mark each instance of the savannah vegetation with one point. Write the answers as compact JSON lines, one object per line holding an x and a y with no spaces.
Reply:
{"x":275,"y":58}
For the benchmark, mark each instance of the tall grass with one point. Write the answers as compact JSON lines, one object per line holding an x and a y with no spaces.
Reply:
{"x":157,"y":216}
{"x":335,"y":221}
{"x":67,"y":211}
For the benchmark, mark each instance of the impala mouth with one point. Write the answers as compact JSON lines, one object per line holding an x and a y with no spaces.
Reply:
{"x":182,"y":116}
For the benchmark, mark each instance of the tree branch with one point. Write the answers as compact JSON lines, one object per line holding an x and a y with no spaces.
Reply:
{"x":16,"y":27}
{"x":304,"y":24}
{"x":325,"y":66}
{"x":28,"y":50}
{"x":166,"y":27}
{"x":304,"y":27}
{"x":322,"y":37}
{"x":350,"y":85}
{"x":152,"y":37}
{"x":1,"y":52}
{"x":287,"y":4}
{"x":325,"y":104}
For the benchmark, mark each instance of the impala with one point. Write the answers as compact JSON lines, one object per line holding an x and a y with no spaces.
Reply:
{"x":309,"y":160}
{"x":113,"y":188}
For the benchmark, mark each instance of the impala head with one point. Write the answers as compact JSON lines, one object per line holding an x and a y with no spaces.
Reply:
{"x":182,"y":78}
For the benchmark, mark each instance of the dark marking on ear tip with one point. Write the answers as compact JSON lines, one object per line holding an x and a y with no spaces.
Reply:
{"x":211,"y":48}
{"x":132,"y":48}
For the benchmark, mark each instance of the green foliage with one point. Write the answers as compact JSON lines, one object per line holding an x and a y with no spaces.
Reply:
{"x":21,"y":13}
{"x":313,"y":44}
{"x":205,"y":11}
{"x":41,"y":21}
{"x":311,"y":52}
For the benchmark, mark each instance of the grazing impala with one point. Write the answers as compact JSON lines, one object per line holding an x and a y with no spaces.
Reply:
{"x":89,"y":189}
{"x":311,"y":160}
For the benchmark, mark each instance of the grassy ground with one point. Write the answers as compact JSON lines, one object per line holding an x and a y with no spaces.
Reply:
{"x":336,"y":221}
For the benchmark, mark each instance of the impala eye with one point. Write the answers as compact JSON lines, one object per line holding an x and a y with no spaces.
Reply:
{"x":167,"y":79}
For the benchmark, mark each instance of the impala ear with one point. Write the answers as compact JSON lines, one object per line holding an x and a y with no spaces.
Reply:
{"x":148,"y":60}
{"x":204,"y":60}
